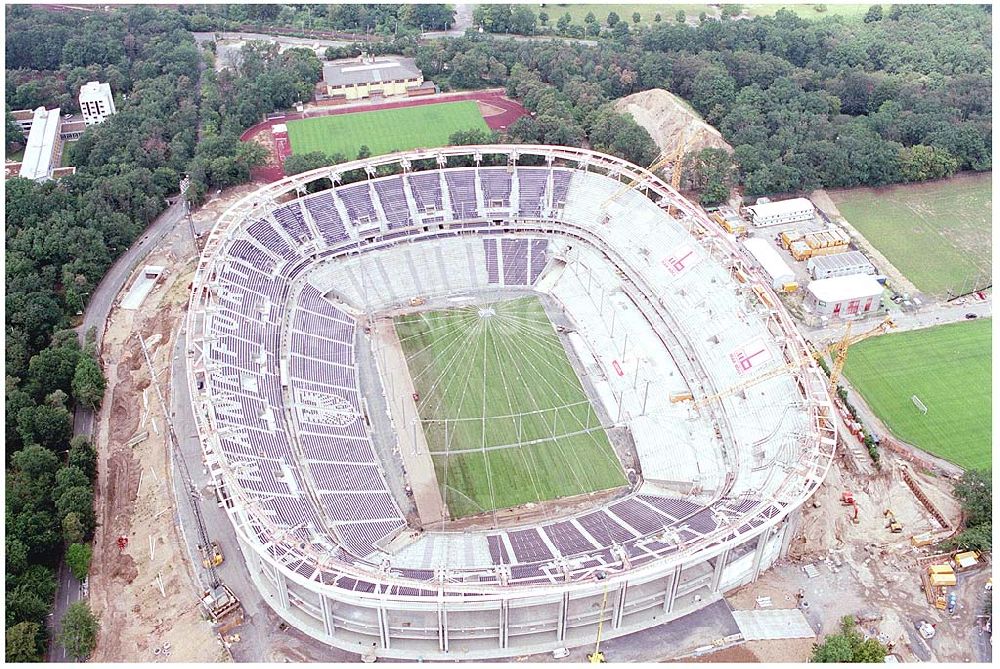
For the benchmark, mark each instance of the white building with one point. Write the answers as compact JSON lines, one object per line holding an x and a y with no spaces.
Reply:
{"x":844,"y":296}
{"x":777,"y":213}
{"x":766,"y":256}
{"x":41,"y":151}
{"x":96,"y":102}
{"x":840,"y":264}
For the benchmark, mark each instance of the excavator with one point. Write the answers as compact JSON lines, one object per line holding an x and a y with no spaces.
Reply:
{"x":847,"y":499}
{"x":893,"y":525}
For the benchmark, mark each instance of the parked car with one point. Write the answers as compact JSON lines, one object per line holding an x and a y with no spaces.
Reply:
{"x":971,"y":316}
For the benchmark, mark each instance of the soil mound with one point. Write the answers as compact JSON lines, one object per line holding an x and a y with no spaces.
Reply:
{"x":667,"y":118}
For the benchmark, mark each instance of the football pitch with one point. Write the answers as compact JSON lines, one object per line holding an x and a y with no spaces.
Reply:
{"x":506,"y":419}
{"x":385,"y":130}
{"x":937,"y":234}
{"x":948,"y":368}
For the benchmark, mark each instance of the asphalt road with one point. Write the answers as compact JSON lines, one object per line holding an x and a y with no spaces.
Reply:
{"x":68,"y":588}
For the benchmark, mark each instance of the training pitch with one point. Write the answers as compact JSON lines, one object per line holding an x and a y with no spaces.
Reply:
{"x":505,"y":417}
{"x":937,"y":234}
{"x":949,"y":368}
{"x":385,"y":130}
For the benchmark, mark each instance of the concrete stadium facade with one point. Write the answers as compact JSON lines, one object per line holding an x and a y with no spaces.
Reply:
{"x":368,"y":605}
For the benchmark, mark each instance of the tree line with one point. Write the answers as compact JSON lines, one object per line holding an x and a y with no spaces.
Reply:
{"x":896,"y":97}
{"x":174,"y":118}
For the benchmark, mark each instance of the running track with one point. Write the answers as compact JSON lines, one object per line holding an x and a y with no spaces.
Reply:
{"x":494,"y":97}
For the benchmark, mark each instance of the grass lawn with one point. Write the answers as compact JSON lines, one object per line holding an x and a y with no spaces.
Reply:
{"x":385,"y":130}
{"x":505,"y":416}
{"x":949,"y":368}
{"x":937,"y":234}
{"x":808,"y":11}
{"x":16,"y":156}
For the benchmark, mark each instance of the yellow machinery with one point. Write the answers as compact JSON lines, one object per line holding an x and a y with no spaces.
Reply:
{"x":597,"y":657}
{"x":677,"y":158}
{"x":894,"y":525}
{"x":211,"y":556}
{"x":838,"y":351}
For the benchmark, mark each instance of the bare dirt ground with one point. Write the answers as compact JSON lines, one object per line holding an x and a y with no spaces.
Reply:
{"x":666,"y":118}
{"x":134,"y":495}
{"x":145,"y":596}
{"x":865,"y":569}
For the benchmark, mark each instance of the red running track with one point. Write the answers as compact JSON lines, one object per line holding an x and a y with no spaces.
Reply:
{"x":511,"y":111}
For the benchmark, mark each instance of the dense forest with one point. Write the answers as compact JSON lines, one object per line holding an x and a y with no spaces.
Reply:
{"x":903,"y":95}
{"x":383,"y":19}
{"x":174,"y":117}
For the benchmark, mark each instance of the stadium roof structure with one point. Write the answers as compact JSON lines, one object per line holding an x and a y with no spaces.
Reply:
{"x":370,"y":71}
{"x":276,"y":303}
{"x":42,"y":138}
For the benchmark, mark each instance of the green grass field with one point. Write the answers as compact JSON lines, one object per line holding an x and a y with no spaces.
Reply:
{"x":506,"y":419}
{"x":385,"y":130}
{"x":938,"y":234}
{"x":949,"y":368}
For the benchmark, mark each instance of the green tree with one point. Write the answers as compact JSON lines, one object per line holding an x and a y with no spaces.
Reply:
{"x":89,"y":382}
{"x":364,"y":152}
{"x":590,"y":18}
{"x":975,"y":492}
{"x":613,"y":18}
{"x":13,"y":135}
{"x":680,"y":16}
{"x":78,"y":500}
{"x":523,"y":21}
{"x":636,"y":17}
{"x":72,"y":528}
{"x":49,"y":426}
{"x":562,"y":25}
{"x":657,"y":17}
{"x":82,"y":455}
{"x":304,"y":162}
{"x":848,"y":646}
{"x":22,"y":643}
{"x":78,"y":560}
{"x":873,"y":14}
{"x":543,"y":18}
{"x":79,"y":630}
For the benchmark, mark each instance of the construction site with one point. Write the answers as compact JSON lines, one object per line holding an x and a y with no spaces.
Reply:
{"x":175,"y":582}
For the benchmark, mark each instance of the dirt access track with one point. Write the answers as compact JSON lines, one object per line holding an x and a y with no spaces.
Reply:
{"x":146,"y":597}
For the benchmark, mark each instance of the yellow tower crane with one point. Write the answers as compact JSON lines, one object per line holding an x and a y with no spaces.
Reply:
{"x":676,"y":157}
{"x":837,"y":350}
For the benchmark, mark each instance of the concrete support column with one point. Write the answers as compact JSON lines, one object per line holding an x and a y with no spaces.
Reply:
{"x":758,"y":555}
{"x":671,"y":594}
{"x":720,"y":566}
{"x":504,"y":622}
{"x":616,"y":618}
{"x":442,"y":628}
{"x":281,"y":587}
{"x":327,"y":610}
{"x":383,"y":626}
{"x":563,"y":615}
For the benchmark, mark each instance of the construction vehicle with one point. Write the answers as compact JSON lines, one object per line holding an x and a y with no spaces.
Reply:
{"x":894,"y":525}
{"x":211,"y":555}
{"x":219,"y":601}
{"x":416,"y":301}
{"x":926,"y":630}
{"x":920,"y":540}
{"x":847,"y":499}
{"x":597,"y":657}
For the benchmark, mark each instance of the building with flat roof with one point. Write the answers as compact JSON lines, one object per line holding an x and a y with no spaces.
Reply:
{"x":840,"y":264}
{"x":43,"y":149}
{"x":96,"y":102}
{"x":844,"y":296}
{"x":765,"y":255}
{"x":785,"y":211}
{"x":365,"y":76}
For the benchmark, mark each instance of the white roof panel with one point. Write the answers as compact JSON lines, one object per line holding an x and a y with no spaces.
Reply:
{"x":841,"y":288}
{"x":768,"y":258}
{"x":782,"y":207}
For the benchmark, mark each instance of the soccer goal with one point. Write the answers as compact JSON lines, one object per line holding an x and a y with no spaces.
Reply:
{"x":920,"y":405}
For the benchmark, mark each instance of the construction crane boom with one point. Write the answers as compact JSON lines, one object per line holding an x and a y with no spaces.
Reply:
{"x":676,"y":157}
{"x":838,"y":350}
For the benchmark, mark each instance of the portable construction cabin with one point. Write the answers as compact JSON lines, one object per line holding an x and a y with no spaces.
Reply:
{"x":785,"y":211}
{"x":844,"y":295}
{"x":966,"y":560}
{"x":942,"y":576}
{"x":840,"y":264}
{"x":767,"y":258}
